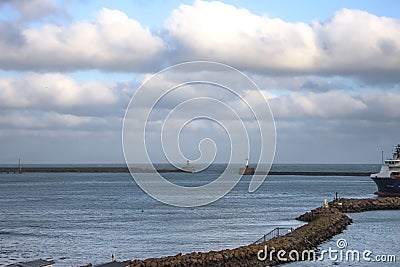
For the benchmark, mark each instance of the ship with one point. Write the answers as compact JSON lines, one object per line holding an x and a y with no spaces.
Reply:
{"x":388,"y":179}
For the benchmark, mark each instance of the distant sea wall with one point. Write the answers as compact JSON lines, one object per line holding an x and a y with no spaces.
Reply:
{"x":101,"y":169}
{"x":83,"y":170}
{"x":323,"y":223}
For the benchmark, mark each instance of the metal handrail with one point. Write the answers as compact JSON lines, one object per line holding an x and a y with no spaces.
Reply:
{"x":278,"y":231}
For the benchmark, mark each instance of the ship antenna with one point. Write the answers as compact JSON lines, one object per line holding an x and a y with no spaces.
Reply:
{"x":382,"y":157}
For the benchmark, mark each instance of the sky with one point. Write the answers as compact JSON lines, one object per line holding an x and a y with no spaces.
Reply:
{"x":330,"y":72}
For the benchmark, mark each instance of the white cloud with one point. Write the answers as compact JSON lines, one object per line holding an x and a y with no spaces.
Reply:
{"x":50,"y":120}
{"x":356,"y":41}
{"x":327,"y":105}
{"x":54,"y":91}
{"x":352,"y":42}
{"x":311,"y":83}
{"x":383,"y":106}
{"x":112,"y":42}
{"x":337,"y":105}
{"x":221,"y":32}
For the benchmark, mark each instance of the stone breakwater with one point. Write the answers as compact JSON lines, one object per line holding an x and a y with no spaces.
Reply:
{"x":322,"y":224}
{"x":360,"y":205}
{"x":349,"y":205}
{"x":323,"y":227}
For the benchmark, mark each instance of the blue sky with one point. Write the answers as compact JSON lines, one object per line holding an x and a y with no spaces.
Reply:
{"x":153,"y":13}
{"x":330,"y":72}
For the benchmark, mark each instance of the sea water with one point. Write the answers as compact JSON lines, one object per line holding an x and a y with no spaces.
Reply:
{"x":77,"y":218}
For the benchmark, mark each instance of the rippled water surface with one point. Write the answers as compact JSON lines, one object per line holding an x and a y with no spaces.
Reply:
{"x":76,"y":218}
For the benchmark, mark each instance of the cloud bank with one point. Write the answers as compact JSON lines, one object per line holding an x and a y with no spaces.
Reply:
{"x":112,"y":41}
{"x":351,"y":42}
{"x":324,"y":80}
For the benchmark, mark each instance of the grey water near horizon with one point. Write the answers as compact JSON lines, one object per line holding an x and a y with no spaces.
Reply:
{"x":217,"y":167}
{"x":77,"y":218}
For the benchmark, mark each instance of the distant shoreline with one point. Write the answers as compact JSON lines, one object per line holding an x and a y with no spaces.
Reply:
{"x":143,"y":170}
